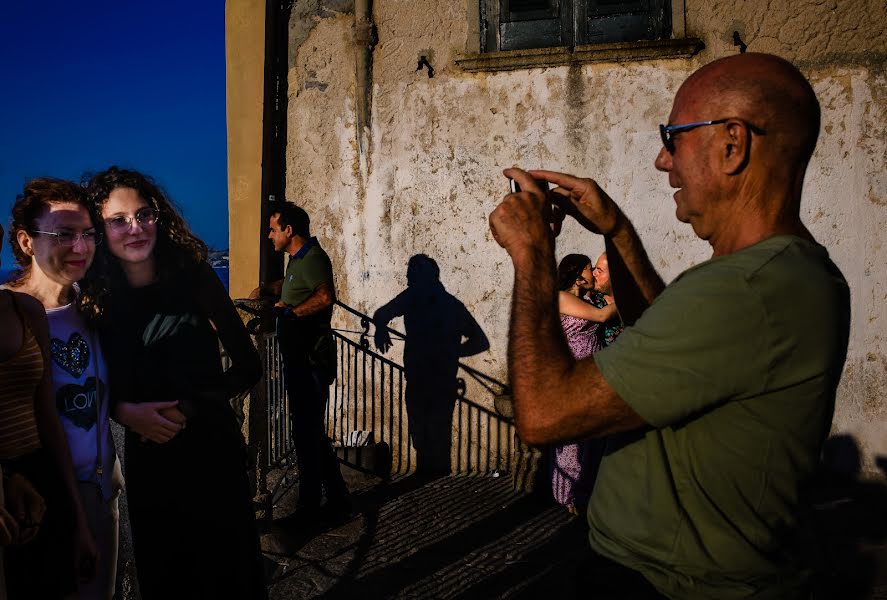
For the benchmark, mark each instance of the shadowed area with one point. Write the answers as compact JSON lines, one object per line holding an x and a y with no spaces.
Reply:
{"x":427,"y":537}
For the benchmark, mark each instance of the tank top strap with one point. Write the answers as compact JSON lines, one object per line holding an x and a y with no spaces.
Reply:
{"x":18,"y":310}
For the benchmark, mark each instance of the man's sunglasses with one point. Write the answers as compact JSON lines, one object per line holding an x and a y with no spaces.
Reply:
{"x":669,"y":131}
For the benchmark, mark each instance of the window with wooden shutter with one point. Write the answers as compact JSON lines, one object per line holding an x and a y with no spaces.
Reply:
{"x":523,"y":24}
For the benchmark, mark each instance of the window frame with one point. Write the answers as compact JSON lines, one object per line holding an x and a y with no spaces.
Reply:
{"x":503,"y":30}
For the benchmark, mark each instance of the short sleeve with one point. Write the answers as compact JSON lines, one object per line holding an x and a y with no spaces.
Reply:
{"x":702,"y":343}
{"x":316,"y":269}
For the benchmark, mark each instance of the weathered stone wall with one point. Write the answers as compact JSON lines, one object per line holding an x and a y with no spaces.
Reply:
{"x":431,"y":171}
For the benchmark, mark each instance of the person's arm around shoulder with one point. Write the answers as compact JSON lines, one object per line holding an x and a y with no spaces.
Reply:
{"x":568,"y":304}
{"x":556,"y":398}
{"x":52,"y":437}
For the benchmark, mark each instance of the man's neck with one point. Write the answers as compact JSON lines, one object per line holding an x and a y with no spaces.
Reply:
{"x":295,"y":244}
{"x":758,"y":212}
{"x":732,"y":239}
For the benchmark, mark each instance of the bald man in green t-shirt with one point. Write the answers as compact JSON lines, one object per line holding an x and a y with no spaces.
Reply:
{"x":718,"y":396}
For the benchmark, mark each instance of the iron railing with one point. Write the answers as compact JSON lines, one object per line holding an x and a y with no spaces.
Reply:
{"x":369,"y":396}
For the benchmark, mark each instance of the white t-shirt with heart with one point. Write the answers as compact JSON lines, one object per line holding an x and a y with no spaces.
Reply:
{"x":80,"y":381}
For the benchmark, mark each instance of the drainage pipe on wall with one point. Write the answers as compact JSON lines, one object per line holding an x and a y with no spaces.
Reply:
{"x":364,"y":39}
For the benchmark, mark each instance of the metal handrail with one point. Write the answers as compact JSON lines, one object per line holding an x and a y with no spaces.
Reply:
{"x":369,"y":394}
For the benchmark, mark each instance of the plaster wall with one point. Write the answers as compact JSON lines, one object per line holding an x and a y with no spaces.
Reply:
{"x":431,"y":172}
{"x":244,"y":86}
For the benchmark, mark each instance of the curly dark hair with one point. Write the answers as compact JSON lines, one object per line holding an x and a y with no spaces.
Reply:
{"x":177,"y":250}
{"x":570,"y":267}
{"x":29,"y":206}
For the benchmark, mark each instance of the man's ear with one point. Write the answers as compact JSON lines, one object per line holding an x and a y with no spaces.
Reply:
{"x":288,"y":230}
{"x":737,"y":146}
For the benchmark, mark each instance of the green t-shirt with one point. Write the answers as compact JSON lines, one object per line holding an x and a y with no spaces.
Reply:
{"x":734,"y":367}
{"x":305,"y":271}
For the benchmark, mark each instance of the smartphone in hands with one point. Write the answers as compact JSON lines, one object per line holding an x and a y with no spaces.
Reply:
{"x":515,"y":186}
{"x":556,"y":215}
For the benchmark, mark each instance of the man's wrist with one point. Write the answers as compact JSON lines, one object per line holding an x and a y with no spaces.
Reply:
{"x":531,"y":258}
{"x":622,"y":231}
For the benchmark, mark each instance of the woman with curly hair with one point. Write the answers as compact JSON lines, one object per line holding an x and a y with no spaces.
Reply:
{"x":162,"y":312}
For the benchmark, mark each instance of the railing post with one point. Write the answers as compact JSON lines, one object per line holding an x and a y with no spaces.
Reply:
{"x":257,"y":436}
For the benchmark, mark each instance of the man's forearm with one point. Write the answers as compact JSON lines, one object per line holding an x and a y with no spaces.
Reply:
{"x":634,"y":278}
{"x":322,"y":298}
{"x":537,"y":352}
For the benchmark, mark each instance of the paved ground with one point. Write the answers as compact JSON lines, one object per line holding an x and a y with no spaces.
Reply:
{"x":473,"y":537}
{"x":453,"y":537}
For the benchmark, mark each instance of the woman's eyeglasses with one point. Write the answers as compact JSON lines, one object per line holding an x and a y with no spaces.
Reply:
{"x":146,"y":217}
{"x":69,"y":238}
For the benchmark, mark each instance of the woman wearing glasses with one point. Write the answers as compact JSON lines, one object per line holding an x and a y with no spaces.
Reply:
{"x":162,"y":312}
{"x":53,"y":240}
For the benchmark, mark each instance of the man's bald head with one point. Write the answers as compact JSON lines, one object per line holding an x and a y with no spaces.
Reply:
{"x":767,"y":92}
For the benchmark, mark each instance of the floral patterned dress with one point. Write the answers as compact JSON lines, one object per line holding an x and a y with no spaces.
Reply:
{"x":567,"y":468}
{"x":610,"y":330}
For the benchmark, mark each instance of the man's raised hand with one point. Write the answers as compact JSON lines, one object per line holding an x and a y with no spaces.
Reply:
{"x":522,"y":221}
{"x":584,"y":200}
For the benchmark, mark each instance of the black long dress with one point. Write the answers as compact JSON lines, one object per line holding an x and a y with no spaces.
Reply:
{"x":192,"y":519}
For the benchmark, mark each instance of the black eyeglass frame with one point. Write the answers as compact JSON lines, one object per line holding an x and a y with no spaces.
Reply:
{"x":667,"y":131}
{"x":83,"y":235}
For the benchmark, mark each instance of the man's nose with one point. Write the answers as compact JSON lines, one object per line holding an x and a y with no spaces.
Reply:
{"x":663,"y":160}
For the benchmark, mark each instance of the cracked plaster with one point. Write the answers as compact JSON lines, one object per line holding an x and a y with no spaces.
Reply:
{"x":433,"y":171}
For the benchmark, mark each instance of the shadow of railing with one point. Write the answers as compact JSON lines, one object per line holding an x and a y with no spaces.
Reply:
{"x":367,"y":406}
{"x":369,"y":395}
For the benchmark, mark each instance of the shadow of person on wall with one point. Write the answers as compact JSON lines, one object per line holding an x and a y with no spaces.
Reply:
{"x":439,"y":331}
{"x":848,"y":524}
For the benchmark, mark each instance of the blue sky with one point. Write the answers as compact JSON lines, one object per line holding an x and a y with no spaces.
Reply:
{"x":88,"y":84}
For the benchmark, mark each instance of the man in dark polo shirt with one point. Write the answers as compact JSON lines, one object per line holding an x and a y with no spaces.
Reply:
{"x":307,"y":294}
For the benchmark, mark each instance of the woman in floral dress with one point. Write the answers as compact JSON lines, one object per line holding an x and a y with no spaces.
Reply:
{"x":580,"y":320}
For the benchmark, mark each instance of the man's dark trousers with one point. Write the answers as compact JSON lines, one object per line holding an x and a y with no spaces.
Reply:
{"x":308,"y":391}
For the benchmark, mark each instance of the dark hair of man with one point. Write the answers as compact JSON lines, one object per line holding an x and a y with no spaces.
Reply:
{"x":569,"y":269}
{"x":289,"y":214}
{"x":177,"y":250}
{"x":29,"y":206}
